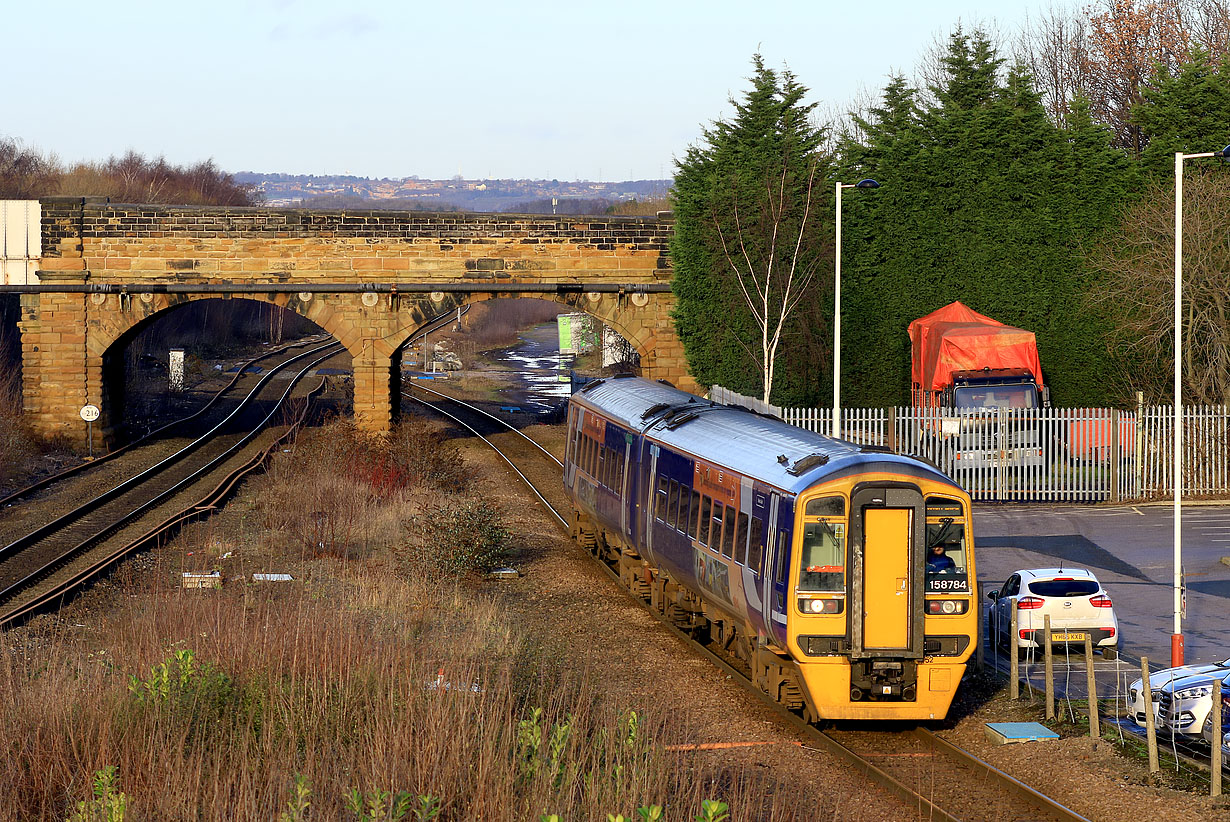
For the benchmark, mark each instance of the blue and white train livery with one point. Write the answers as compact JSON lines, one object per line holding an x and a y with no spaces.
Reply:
{"x":840,"y":577}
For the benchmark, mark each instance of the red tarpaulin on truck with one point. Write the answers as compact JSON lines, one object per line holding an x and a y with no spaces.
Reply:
{"x":956,"y":338}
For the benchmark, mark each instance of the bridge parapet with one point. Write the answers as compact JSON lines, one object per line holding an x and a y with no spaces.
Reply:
{"x":123,"y":241}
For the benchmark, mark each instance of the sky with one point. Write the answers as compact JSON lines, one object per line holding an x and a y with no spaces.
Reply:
{"x":483,"y":89}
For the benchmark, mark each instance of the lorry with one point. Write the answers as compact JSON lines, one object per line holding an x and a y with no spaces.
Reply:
{"x":972,"y":377}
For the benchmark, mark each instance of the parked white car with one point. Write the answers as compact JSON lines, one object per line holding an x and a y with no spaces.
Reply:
{"x":1072,"y":597}
{"x":1136,"y":696}
{"x":1184,"y":704}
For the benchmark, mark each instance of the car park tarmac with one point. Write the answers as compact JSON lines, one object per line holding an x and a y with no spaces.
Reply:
{"x":1131,"y":549}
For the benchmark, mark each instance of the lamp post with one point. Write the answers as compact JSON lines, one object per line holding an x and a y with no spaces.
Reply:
{"x":1176,"y":639}
{"x":835,"y":431}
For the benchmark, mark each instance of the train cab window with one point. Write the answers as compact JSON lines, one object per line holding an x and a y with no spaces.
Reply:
{"x":755,"y":559}
{"x":946,"y":547}
{"x":715,"y":534}
{"x":822,"y":564}
{"x":728,"y":535}
{"x":741,"y":539}
{"x":694,"y":515}
{"x":661,"y":499}
{"x":706,"y":508}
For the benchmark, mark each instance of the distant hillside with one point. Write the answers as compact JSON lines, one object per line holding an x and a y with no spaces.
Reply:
{"x":411,"y":193}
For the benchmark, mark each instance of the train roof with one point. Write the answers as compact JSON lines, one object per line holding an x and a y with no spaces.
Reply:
{"x":754,"y":445}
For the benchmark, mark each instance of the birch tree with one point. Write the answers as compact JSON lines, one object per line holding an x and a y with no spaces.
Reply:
{"x":747,"y":243}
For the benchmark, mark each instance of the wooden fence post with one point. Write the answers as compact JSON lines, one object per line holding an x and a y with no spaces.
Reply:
{"x":1095,"y":721}
{"x":1150,"y":728}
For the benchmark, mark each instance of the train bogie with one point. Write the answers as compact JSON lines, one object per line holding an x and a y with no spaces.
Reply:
{"x":840,"y":579}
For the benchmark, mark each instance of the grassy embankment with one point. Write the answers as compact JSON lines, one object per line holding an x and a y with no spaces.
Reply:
{"x":385,"y":682}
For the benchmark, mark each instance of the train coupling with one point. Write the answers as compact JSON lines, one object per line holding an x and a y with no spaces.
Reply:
{"x":892,"y":680}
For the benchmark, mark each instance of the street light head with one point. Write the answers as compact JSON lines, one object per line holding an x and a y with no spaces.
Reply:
{"x":870,"y":183}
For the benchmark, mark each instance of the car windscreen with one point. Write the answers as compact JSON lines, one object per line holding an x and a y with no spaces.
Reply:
{"x":1063,"y":587}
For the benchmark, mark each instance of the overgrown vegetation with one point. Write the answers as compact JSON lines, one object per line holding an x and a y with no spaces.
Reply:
{"x":132,"y":178}
{"x":350,"y":693}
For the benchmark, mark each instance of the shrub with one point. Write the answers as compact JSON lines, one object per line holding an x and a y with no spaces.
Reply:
{"x":461,"y":536}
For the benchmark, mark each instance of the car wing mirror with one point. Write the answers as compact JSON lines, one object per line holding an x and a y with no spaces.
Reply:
{"x":993,"y":595}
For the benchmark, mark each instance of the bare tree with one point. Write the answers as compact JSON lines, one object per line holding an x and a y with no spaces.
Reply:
{"x":1138,"y":289}
{"x":773,"y":282}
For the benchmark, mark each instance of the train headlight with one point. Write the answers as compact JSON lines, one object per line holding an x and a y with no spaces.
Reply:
{"x":947,"y":607}
{"x":821,"y":606}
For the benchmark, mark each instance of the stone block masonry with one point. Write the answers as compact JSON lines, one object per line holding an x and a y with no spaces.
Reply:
{"x":123,"y":247}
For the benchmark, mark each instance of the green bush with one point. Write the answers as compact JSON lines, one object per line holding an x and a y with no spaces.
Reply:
{"x":458,"y":537}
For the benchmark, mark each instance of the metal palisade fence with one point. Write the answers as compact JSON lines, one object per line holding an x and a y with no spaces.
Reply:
{"x":1040,"y":454}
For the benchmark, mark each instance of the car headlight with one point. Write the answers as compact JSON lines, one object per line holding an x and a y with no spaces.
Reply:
{"x":1194,"y":693}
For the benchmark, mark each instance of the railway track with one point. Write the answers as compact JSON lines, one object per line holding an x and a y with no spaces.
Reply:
{"x":938,"y":779}
{"x":52,"y":560}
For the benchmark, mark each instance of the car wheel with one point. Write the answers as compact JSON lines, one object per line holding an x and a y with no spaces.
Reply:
{"x":1110,"y":653}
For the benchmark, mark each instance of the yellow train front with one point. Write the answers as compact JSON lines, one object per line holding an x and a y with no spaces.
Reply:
{"x":841,"y":578}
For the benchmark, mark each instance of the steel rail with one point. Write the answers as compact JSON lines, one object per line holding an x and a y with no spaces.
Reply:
{"x":504,"y":423}
{"x":925,"y":807}
{"x":524,"y":478}
{"x":110,"y":455}
{"x":143,"y":476}
{"x":118,"y":522}
{"x":198,"y":510}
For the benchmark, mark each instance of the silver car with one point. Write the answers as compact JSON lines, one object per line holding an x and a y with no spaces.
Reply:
{"x":1184,"y":704}
{"x":1073,"y":599}
{"x":1136,"y":696}
{"x":1224,"y":732}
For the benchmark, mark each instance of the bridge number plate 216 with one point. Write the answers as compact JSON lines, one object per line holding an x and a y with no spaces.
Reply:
{"x":89,"y":413}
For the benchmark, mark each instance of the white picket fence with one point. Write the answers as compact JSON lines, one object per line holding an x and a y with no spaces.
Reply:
{"x":1047,"y":454}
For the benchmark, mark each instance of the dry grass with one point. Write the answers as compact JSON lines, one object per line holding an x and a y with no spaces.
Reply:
{"x":221,"y":704}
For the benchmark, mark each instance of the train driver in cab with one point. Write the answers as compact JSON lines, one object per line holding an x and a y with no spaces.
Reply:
{"x":938,"y":561}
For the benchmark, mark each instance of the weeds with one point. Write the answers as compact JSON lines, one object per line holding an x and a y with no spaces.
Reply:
{"x":108,"y":804}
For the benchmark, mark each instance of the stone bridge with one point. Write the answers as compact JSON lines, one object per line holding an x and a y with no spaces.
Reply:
{"x":103,"y":271}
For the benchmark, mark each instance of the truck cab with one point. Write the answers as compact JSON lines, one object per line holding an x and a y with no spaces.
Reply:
{"x":995,"y":388}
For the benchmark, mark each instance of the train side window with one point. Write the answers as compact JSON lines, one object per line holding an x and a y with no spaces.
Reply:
{"x":728,"y":534}
{"x":779,"y":571}
{"x":610,"y":467}
{"x":685,"y":507}
{"x":694,"y":515}
{"x":741,"y":539}
{"x":672,"y":503}
{"x":589,"y":456}
{"x":706,"y":508}
{"x":756,"y":560}
{"x":602,"y":463}
{"x":715,"y":532}
{"x":661,"y":497}
{"x":621,"y":461}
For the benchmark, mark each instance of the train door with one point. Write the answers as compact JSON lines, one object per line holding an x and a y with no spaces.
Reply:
{"x":886,"y":585}
{"x":775,"y":573}
{"x":626,"y":499}
{"x":651,"y":487}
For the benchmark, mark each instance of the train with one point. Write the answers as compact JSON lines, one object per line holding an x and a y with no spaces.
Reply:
{"x":839,"y":577}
